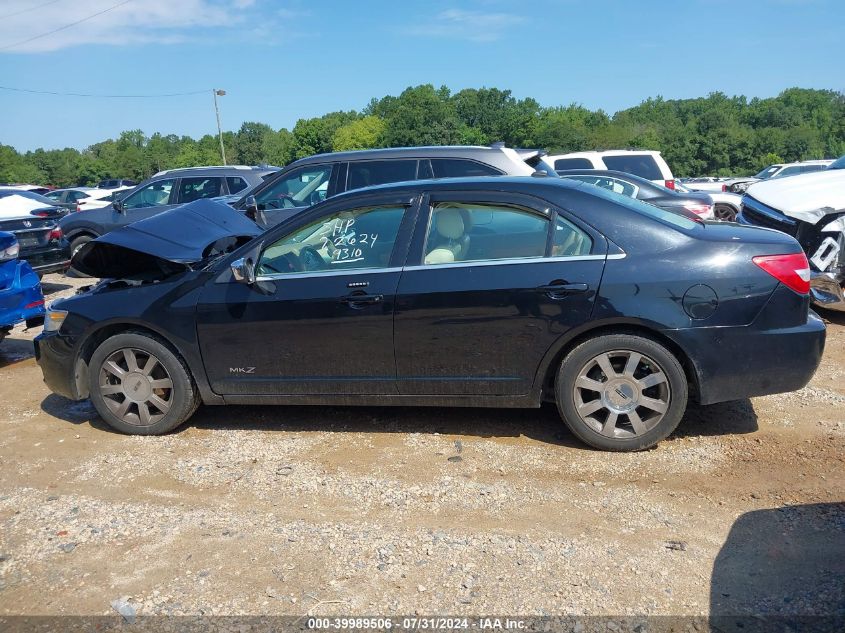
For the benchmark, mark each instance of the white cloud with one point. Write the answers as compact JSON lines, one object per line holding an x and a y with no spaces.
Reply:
{"x":475,"y":26}
{"x":137,"y":22}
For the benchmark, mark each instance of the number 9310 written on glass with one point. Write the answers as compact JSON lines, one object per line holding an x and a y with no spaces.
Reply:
{"x":345,"y":244}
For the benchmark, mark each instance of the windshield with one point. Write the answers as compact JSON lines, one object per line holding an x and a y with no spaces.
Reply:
{"x":839,"y":163}
{"x":768,"y":172}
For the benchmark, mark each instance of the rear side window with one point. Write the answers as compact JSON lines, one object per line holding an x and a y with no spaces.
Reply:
{"x":379,"y":172}
{"x":457,"y":168}
{"x":573,"y":163}
{"x":461,"y":232}
{"x":644,"y":208}
{"x":642,"y":165}
{"x":236,"y":184}
{"x":198,"y":188}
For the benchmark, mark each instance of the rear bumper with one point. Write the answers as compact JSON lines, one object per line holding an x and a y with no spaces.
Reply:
{"x":733,"y":363}
{"x":50,"y":259}
{"x":827,"y":291}
{"x":21,"y":300}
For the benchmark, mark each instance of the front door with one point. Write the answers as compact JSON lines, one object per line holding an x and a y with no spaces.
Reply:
{"x":499,"y":278}
{"x":319,"y":320}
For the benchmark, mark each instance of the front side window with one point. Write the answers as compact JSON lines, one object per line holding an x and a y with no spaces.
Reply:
{"x":54,"y":195}
{"x":460,"y":232}
{"x":459,"y":168}
{"x":198,"y":188}
{"x":73,"y":196}
{"x":380,"y":172}
{"x":346,"y":240}
{"x":153,"y":195}
{"x":300,"y":188}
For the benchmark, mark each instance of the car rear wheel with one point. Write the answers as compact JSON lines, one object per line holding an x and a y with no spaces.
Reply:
{"x":140,"y":386}
{"x":621,"y":392}
{"x":725,"y":213}
{"x":75,"y":244}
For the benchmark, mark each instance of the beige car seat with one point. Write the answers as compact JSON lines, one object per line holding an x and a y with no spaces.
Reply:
{"x":452,"y":244}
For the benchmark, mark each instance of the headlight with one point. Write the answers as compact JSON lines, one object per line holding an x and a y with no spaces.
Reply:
{"x":10,"y":252}
{"x":53,"y":319}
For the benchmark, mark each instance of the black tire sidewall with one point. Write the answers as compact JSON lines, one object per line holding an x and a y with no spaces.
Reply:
{"x":584,"y":352}
{"x":184,"y":392}
{"x":74,"y":243}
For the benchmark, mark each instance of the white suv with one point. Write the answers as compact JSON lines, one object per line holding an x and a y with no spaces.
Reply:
{"x":643,"y":163}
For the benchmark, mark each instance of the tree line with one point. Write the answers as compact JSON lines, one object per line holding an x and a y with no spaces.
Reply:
{"x":713,"y":135}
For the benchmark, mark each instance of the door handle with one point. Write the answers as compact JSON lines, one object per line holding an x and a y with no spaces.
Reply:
{"x":359,"y":301}
{"x":559,"y":290}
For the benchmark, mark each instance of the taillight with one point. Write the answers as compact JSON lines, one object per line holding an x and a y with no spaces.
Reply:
{"x":703,"y":210}
{"x":670,"y":184}
{"x":77,"y":207}
{"x":41,"y":214}
{"x":56,"y":234}
{"x":791,"y":270}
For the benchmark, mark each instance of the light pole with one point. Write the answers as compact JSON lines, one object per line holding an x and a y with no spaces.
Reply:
{"x":219,"y":93}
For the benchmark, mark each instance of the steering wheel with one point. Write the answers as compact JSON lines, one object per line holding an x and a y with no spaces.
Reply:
{"x":310,"y":259}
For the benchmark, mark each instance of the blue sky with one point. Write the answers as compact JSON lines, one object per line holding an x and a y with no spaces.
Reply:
{"x":282,"y":60}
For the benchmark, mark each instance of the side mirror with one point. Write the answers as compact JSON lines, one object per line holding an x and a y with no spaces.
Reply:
{"x":118,"y":205}
{"x":243,"y":270}
{"x":251,"y":207}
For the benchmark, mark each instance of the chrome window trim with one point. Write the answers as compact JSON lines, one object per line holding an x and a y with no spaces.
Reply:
{"x":327,"y":273}
{"x":483,"y":262}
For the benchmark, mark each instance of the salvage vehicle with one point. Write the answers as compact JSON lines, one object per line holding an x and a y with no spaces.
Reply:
{"x":20,"y":289}
{"x":700,"y":204}
{"x":725,"y":205}
{"x":778,"y":170}
{"x":811,"y":208}
{"x":477,"y":292}
{"x":163,"y":191}
{"x":33,"y":220}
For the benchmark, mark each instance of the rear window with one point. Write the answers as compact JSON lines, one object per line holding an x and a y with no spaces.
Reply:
{"x":642,"y":165}
{"x":236,"y":184}
{"x":379,"y":172}
{"x":644,"y":208}
{"x":573,"y":163}
{"x":457,"y":168}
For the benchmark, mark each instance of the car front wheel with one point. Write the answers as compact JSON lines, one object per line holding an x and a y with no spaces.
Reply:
{"x":621,"y":392}
{"x":140,"y":386}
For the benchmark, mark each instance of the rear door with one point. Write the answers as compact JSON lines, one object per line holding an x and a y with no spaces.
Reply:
{"x":493,"y":281}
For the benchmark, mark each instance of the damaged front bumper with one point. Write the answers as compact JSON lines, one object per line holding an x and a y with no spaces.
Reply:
{"x":828,"y":290}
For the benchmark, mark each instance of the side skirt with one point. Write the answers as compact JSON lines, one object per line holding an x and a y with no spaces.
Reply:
{"x":506,"y":402}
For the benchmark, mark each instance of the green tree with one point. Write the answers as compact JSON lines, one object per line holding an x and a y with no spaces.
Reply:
{"x":364,"y":133}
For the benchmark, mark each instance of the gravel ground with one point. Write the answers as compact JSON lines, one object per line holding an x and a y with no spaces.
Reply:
{"x":329,"y":510}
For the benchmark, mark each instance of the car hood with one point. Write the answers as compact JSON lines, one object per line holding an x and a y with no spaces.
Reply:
{"x":166,"y":243}
{"x":806,"y":197}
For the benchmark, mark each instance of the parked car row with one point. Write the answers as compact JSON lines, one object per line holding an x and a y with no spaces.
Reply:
{"x":34,"y":221}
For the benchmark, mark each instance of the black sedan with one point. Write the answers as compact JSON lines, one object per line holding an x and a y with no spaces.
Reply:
{"x":497,"y":292}
{"x":34,"y":221}
{"x":686,"y":202}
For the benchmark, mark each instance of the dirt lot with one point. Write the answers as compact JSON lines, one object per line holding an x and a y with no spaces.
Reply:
{"x":253,"y":510}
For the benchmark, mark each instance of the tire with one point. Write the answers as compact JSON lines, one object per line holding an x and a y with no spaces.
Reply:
{"x":75,"y":244}
{"x":146,"y":383}
{"x":725,"y":213}
{"x":648,"y":401}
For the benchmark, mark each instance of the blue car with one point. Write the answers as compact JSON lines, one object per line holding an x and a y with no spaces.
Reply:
{"x":20,"y":289}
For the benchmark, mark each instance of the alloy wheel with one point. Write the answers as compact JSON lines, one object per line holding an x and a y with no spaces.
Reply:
{"x":136,"y":387}
{"x":621,"y":394}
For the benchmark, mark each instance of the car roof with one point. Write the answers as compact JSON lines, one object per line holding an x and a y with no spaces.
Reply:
{"x":614,"y":173}
{"x":605,"y":152}
{"x":515,"y":184}
{"x":217,"y":170}
{"x":423,"y":151}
